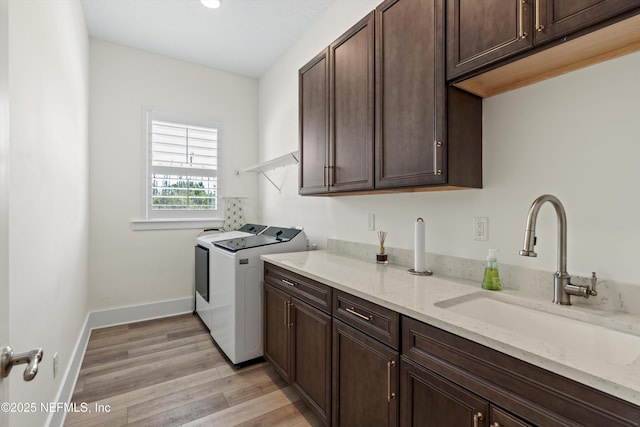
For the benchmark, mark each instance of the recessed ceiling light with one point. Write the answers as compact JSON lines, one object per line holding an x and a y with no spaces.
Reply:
{"x":211,"y":4}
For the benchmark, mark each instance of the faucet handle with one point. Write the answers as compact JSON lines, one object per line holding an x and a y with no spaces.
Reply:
{"x":582,"y":290}
{"x":594,"y":281}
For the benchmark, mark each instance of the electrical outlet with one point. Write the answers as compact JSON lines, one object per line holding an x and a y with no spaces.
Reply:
{"x":55,"y":365}
{"x":481,"y":228}
{"x":371,"y":222}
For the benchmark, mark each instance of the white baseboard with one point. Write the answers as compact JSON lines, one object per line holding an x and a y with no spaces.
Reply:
{"x":104,"y":318}
{"x":56,"y":418}
{"x":137,"y":313}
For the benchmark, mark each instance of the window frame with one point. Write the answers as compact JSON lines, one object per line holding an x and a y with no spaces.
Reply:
{"x":178,"y":215}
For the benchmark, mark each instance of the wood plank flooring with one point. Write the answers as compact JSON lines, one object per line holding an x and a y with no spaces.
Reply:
{"x":168,"y":372}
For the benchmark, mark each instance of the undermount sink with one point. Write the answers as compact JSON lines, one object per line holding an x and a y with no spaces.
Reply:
{"x":569,"y":335}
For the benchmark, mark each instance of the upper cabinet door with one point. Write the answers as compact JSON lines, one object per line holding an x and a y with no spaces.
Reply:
{"x":410,"y":99}
{"x":483,"y":32}
{"x":351,"y":118}
{"x":557,"y":18}
{"x":314,"y":124}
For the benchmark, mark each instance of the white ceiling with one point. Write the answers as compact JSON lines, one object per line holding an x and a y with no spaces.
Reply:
{"x":242,"y":36}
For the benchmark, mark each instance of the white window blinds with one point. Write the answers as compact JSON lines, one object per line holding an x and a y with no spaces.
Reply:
{"x":183,"y":166}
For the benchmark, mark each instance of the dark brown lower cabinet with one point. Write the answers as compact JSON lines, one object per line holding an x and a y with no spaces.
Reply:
{"x":431,"y":401}
{"x":349,"y":378}
{"x":365,"y":379}
{"x":311,"y":361}
{"x":500,"y":418}
{"x":455,"y":375}
{"x":277,"y":349}
{"x":428,"y":400}
{"x":298,"y":344}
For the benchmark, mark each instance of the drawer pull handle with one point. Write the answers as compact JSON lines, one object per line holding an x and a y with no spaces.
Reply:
{"x":390,"y":395}
{"x":286,"y":282}
{"x":353,"y":311}
{"x":495,"y":424}
{"x":477,"y":417}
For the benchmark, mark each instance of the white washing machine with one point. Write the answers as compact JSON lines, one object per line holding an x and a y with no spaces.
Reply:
{"x":236,"y":289}
{"x":203,"y":270}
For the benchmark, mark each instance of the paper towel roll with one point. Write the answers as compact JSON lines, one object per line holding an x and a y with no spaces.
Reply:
{"x":418,"y":246}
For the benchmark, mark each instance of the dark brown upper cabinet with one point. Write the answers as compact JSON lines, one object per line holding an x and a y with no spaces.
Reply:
{"x":482,"y":32}
{"x":337,"y":116}
{"x":351,"y":108}
{"x":313,"y":109}
{"x":556,"y":18}
{"x":544,"y":37}
{"x":415,"y":110}
{"x":423,"y":135}
{"x":410,"y":94}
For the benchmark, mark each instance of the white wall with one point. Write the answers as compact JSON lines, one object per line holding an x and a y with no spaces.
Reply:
{"x":135,"y":267}
{"x":576,"y":136}
{"x":4,"y":194}
{"x":48,"y":194}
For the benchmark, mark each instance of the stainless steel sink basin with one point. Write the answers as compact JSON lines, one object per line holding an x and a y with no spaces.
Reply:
{"x":566,"y":334}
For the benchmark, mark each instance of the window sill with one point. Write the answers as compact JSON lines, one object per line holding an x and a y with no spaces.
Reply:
{"x":175,"y":224}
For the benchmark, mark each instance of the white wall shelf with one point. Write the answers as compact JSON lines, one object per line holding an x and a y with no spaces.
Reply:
{"x":262,"y":168}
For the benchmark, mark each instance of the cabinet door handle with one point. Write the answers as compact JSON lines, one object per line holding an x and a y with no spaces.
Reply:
{"x":325,"y":172}
{"x":523,"y":33}
{"x":539,"y":26}
{"x":286,"y":313}
{"x":289,"y":305}
{"x":477,"y":417}
{"x":286,"y":282}
{"x":353,"y":311}
{"x":436,"y":146}
{"x":390,"y":395}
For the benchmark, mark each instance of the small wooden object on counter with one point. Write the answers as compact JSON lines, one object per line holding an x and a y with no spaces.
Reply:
{"x":382,"y":257}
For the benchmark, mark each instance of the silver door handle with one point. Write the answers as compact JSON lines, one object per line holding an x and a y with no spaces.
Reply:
{"x":8,"y":360}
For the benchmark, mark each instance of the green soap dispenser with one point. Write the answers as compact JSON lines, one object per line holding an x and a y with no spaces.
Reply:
{"x":491,"y":280}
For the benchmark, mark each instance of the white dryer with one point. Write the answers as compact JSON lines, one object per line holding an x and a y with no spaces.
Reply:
{"x":236,"y":289}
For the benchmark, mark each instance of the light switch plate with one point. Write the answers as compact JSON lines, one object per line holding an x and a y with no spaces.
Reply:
{"x":371,"y":222}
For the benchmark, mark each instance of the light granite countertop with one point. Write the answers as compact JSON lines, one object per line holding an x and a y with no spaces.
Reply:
{"x":421,"y":297}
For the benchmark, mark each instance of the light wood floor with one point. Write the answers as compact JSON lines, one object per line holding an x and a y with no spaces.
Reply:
{"x":168,"y":372}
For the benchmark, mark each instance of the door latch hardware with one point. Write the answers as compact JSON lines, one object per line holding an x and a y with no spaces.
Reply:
{"x":8,"y":360}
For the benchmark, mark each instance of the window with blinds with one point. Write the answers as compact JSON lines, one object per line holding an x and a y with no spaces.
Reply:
{"x":182,"y":167}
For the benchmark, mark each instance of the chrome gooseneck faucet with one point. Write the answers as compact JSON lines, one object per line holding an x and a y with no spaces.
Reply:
{"x":562,"y":287}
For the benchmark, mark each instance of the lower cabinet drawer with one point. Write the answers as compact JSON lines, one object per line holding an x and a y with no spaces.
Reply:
{"x":381,"y":323}
{"x":315,"y":293}
{"x":500,"y":418}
